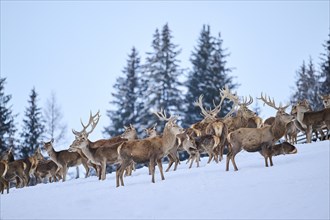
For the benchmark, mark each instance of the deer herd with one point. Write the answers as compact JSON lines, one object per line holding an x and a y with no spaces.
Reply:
{"x":241,"y":129}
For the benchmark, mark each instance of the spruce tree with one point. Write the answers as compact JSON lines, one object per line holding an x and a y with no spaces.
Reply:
{"x":209,"y":74}
{"x":33,"y":127}
{"x":308,"y":86}
{"x":325,"y":69}
{"x":145,"y":88}
{"x":7,"y":124}
{"x":125,"y":97}
{"x":164,"y":86}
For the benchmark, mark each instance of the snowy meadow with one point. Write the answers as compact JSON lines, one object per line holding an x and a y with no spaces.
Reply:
{"x":296,"y":187}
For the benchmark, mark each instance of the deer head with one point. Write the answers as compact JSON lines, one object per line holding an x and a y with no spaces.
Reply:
{"x":170,"y":125}
{"x":326,"y":100}
{"x":129,"y":133}
{"x":212,"y":113}
{"x":243,"y":107}
{"x":151,"y":132}
{"x":281,"y":114}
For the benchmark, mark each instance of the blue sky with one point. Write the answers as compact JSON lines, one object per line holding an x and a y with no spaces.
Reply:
{"x":78,"y":48}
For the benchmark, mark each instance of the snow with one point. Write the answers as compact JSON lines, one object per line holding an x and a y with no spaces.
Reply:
{"x":296,"y":187}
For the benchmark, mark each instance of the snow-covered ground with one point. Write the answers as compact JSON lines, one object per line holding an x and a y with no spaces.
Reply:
{"x":296,"y":187}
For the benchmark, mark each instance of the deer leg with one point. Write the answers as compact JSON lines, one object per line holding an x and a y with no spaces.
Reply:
{"x":271,"y":160}
{"x":192,"y":160}
{"x":103,"y":168}
{"x":160,"y":167}
{"x":188,"y":159}
{"x":233,"y":161}
{"x":77,"y":172}
{"x":64,"y":172}
{"x":120,"y":173}
{"x":86,"y":168}
{"x":171,"y":161}
{"x":152,"y":168}
{"x":266,"y":161}
{"x":210,"y":156}
{"x":228,"y":157}
{"x":309,"y":134}
{"x":3,"y":185}
{"x":197,"y":158}
{"x":177,"y":162}
{"x":117,"y":175}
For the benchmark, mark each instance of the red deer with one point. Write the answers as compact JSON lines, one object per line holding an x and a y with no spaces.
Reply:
{"x":148,"y":150}
{"x":65,"y":159}
{"x":254,"y":139}
{"x":21,"y":169}
{"x":325,"y":100}
{"x":101,"y":152}
{"x":277,"y":149}
{"x":3,"y":182}
{"x":309,"y":119}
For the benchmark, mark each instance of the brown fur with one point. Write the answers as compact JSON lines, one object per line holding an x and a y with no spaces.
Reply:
{"x":3,"y":182}
{"x":148,"y":150}
{"x":275,"y":150}
{"x":105,"y":152}
{"x":254,"y":139}
{"x":325,"y":100}
{"x":65,"y":159}
{"x":309,"y":119}
{"x":22,"y":177}
{"x":47,"y":169}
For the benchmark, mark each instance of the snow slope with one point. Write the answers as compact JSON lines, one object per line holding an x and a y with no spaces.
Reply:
{"x":296,"y":187}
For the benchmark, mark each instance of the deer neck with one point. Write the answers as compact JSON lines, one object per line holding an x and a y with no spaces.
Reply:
{"x":278,"y":128}
{"x":168,"y":140}
{"x":52,"y":154}
{"x":300,"y":117}
{"x":89,"y":152}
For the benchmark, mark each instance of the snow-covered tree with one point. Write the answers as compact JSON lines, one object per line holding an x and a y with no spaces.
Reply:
{"x":209,"y":74}
{"x":308,"y":86}
{"x":164,"y":88}
{"x":7,"y":124}
{"x":33,"y":127}
{"x":325,"y":69}
{"x":125,"y":97}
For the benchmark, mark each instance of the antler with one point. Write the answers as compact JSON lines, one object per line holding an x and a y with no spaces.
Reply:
{"x":269,"y":102}
{"x":93,"y":120}
{"x":246,"y":102}
{"x":272,"y":104}
{"x":162,"y":116}
{"x":199,"y":104}
{"x":225,"y":93}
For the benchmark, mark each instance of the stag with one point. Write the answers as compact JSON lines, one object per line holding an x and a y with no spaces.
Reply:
{"x":312,"y":119}
{"x":243,"y":116}
{"x":148,"y":150}
{"x":211,"y":127}
{"x":101,"y":152}
{"x":254,"y":139}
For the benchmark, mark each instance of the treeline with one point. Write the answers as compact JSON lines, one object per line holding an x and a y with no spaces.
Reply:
{"x":158,"y":82}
